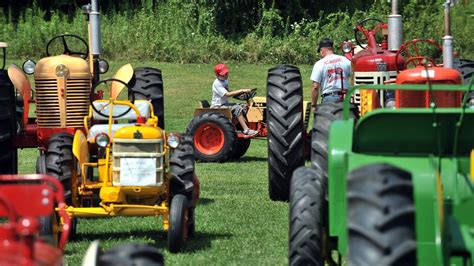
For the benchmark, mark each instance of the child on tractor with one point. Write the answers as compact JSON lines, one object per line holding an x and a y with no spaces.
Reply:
{"x":220,"y":93}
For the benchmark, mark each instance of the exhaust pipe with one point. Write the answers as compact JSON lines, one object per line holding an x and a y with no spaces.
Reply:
{"x":448,"y":40}
{"x":95,"y":28}
{"x":394,"y":28}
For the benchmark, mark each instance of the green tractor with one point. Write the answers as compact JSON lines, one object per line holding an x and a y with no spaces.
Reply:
{"x":399,"y":189}
{"x":395,"y":186}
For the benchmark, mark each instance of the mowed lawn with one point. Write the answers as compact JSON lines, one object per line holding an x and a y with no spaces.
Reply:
{"x":236,"y":223}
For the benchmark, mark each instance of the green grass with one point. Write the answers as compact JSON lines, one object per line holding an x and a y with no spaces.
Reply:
{"x":236,"y":222}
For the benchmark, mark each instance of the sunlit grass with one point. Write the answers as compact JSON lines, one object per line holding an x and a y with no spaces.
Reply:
{"x":236,"y":222}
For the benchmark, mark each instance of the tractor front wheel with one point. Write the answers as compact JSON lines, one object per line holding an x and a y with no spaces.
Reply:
{"x":306,"y":217}
{"x":381,"y":216}
{"x":182,"y":168}
{"x":178,"y":223}
{"x":215,"y":138}
{"x":58,"y":163}
{"x":285,"y":128}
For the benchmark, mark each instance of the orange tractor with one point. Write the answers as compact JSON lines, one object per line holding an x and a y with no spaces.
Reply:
{"x":61,"y":99}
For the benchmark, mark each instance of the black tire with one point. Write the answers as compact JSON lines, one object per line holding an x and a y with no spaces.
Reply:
{"x":59,"y":161}
{"x":202,"y":150}
{"x":381,"y":216}
{"x":46,"y":230}
{"x":131,"y":254}
{"x":325,"y":114}
{"x":59,"y":164}
{"x":147,"y":84}
{"x":182,"y":168}
{"x":285,"y":128}
{"x":8,"y":154}
{"x":306,"y":218}
{"x":242,"y":147}
{"x":466,"y":68}
{"x":178,"y":226}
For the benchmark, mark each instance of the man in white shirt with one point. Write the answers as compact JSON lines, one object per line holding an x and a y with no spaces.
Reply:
{"x":220,"y":93}
{"x":330,"y":76}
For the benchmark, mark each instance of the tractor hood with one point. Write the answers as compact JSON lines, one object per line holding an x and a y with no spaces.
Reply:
{"x":75,"y":66}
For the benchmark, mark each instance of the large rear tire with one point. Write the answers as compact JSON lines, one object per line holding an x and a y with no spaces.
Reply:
{"x":324,"y":116}
{"x":381,"y":216}
{"x":215,"y":138}
{"x":8,"y":154}
{"x":285,"y":128}
{"x":178,"y":221}
{"x":242,"y":147}
{"x":147,"y":84}
{"x":306,"y":217}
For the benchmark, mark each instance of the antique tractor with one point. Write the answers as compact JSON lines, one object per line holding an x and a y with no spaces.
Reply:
{"x":397,"y":184}
{"x":140,"y":170}
{"x":375,"y":63}
{"x":29,"y":237}
{"x":218,"y":138}
{"x":63,"y":82}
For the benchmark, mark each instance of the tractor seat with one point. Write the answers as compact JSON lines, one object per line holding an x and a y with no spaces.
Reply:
{"x":205,"y":104}
{"x":143,"y":106}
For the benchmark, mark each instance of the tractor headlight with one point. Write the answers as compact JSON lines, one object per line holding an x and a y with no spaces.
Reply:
{"x":29,"y":67}
{"x":103,"y":66}
{"x":173,"y":141}
{"x":347,"y":47}
{"x":61,"y":70}
{"x":102,"y":140}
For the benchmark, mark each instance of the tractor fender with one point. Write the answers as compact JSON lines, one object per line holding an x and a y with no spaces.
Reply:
{"x":22,"y":84}
{"x":80,"y":148}
{"x":125,"y":74}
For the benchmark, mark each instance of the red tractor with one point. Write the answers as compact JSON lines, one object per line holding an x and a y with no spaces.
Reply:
{"x":29,"y":236}
{"x":375,"y":63}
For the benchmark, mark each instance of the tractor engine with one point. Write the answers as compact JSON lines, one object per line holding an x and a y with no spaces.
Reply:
{"x":62,"y":94}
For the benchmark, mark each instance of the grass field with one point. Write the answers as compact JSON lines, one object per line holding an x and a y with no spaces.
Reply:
{"x":236,"y":222}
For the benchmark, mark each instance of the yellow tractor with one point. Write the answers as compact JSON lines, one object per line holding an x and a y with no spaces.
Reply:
{"x":140,"y":169}
{"x":64,"y":86}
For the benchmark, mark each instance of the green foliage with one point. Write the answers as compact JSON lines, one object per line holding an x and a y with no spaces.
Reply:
{"x":191,"y":31}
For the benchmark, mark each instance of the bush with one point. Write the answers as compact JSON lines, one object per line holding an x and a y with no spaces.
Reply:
{"x":186,"y":32}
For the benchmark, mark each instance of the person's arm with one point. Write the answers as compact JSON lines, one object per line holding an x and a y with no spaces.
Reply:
{"x":316,"y":76}
{"x":314,"y":94}
{"x":237,"y":92}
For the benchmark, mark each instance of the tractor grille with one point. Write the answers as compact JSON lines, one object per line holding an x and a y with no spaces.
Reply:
{"x":47,"y":102}
{"x":146,"y":149}
{"x":372,"y":78}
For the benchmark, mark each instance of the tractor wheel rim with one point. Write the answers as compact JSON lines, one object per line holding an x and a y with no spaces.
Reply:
{"x":209,"y":139}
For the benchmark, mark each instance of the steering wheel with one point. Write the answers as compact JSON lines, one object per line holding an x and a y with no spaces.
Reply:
{"x":244,"y":96}
{"x":416,"y":58}
{"x":107,"y":82}
{"x":67,"y":50}
{"x":360,"y":27}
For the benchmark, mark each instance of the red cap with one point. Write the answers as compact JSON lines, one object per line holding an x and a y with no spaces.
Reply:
{"x":221,"y":69}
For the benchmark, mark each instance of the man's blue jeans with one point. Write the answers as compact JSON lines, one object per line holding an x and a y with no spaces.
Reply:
{"x":331,"y":99}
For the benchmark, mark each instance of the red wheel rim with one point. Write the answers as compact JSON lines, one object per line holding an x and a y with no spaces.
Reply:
{"x":209,"y":139}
